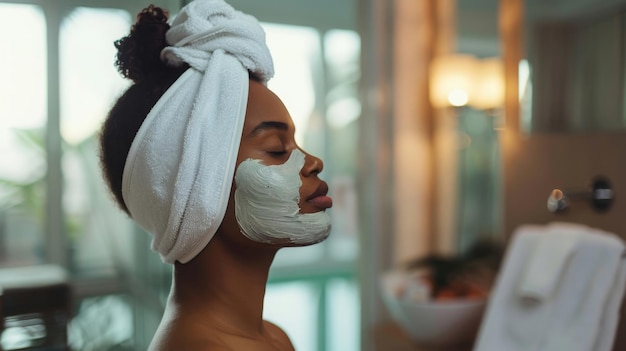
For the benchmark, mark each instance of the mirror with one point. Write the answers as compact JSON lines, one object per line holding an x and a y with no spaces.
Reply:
{"x":572,"y":78}
{"x":574,"y":54}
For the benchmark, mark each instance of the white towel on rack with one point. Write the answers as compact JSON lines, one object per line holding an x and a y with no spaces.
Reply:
{"x":548,"y":259}
{"x":576,"y":311}
{"x":611,"y":316}
{"x":179,"y":170}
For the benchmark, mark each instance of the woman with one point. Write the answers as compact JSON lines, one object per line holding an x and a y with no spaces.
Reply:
{"x":202,"y":155}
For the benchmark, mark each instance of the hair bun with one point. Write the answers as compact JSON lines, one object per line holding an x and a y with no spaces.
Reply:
{"x":138,"y":54}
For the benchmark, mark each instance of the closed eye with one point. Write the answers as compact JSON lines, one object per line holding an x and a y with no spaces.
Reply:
{"x":277,"y":153}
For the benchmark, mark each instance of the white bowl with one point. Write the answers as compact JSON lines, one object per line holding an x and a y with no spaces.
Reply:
{"x":435,"y":323}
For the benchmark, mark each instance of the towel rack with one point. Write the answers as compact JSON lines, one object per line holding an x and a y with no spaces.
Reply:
{"x":600,"y":196}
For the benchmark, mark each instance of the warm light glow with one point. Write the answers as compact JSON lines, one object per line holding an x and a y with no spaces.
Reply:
{"x":451,"y":78}
{"x":488,"y":91}
{"x":459,"y":80}
{"x":458,"y":97}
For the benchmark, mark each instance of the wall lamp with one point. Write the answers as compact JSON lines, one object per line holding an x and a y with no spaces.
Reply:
{"x":459,"y":80}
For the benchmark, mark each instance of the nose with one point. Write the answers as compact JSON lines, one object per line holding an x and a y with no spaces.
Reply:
{"x":312,"y":165}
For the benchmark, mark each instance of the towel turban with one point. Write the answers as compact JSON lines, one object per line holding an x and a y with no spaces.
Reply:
{"x":179,"y":171}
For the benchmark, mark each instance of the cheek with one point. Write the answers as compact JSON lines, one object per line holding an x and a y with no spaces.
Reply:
{"x":270,"y":185}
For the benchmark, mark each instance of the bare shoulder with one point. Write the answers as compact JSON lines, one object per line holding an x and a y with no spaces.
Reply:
{"x":185,"y":335}
{"x":279,"y":336}
{"x":179,"y":336}
{"x":189,"y":345}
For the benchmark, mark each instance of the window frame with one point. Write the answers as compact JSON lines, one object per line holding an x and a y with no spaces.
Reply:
{"x":55,"y":240}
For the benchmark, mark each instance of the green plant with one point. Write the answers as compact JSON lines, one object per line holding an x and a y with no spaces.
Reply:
{"x":475,"y":267}
{"x":26,"y":193}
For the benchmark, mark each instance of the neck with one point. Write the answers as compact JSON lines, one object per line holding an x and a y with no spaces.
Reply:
{"x":224,"y":286}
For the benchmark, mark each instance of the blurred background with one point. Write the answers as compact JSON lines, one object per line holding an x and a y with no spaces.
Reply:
{"x":410,"y":173}
{"x":58,"y":84}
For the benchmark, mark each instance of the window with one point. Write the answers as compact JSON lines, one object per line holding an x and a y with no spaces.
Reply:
{"x":54,"y":205}
{"x":22,"y":134}
{"x":89,"y":84}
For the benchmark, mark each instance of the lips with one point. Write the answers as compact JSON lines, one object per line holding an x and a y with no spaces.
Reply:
{"x":319,"y":198}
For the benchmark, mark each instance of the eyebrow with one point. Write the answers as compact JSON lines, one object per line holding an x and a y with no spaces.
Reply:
{"x":269,"y":125}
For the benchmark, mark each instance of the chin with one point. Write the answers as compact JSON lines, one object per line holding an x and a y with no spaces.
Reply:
{"x":311,"y":241}
{"x":302,"y":229}
{"x":310,"y":236}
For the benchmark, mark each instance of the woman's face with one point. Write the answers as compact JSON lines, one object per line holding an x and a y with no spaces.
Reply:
{"x":268,"y":136}
{"x":278,"y":196}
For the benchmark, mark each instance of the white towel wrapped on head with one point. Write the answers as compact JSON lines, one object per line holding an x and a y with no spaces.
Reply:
{"x":179,"y":170}
{"x":206,"y":26}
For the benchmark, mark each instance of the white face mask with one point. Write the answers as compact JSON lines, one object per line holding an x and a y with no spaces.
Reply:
{"x":266,"y":204}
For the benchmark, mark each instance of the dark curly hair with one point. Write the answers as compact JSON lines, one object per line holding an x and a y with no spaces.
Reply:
{"x":138,"y":59}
